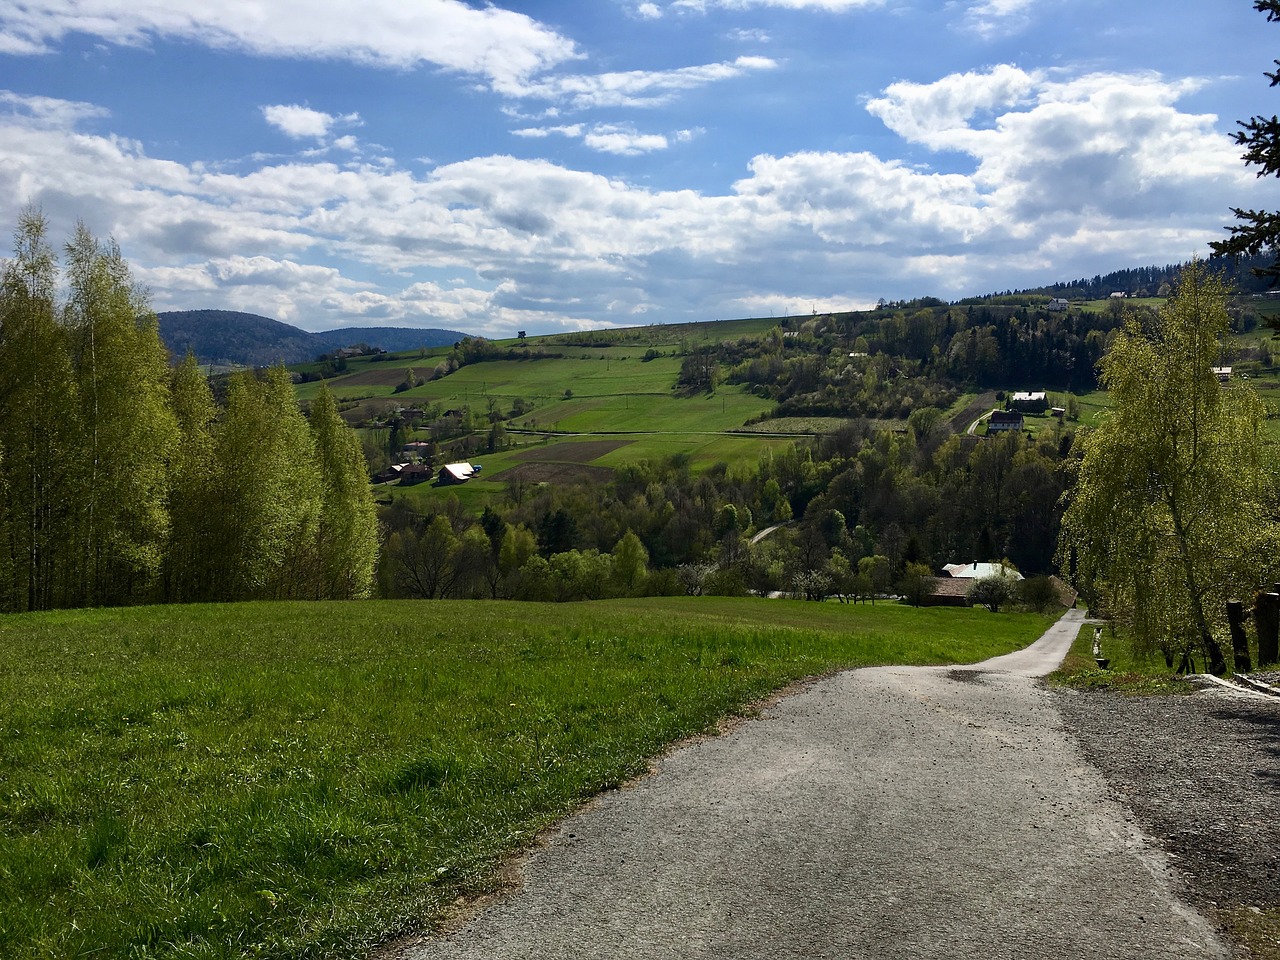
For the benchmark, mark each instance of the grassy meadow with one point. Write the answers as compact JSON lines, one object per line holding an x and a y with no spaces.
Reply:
{"x":304,"y":779}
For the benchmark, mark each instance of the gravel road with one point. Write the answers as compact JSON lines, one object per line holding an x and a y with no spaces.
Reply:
{"x":889,"y":812}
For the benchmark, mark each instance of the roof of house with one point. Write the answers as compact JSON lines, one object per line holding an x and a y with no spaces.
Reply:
{"x":949,"y":587}
{"x":459,"y":471}
{"x":1028,"y":396}
{"x":972,"y":571}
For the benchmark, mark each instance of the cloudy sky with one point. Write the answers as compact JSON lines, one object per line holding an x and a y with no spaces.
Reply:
{"x":559,"y":164}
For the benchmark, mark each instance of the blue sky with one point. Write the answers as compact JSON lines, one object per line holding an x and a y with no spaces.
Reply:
{"x":546,"y":166}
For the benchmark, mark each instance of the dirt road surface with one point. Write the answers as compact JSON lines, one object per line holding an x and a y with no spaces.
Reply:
{"x":881,"y":813}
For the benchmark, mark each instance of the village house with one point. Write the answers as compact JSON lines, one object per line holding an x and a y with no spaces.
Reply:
{"x":413,"y":473}
{"x":1003,"y":421}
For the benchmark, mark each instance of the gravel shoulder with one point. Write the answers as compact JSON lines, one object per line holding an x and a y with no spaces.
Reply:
{"x":1202,"y":775}
{"x":891,"y":812}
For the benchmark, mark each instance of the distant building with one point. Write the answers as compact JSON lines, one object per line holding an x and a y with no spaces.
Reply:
{"x":1030,"y":402}
{"x":412,"y":473}
{"x":1057,"y":304}
{"x":1118,"y":295}
{"x":946,"y":592}
{"x":1223,"y":374}
{"x":975,"y":571}
{"x":1002,"y":421}
{"x":455,"y":473}
{"x":391,"y":473}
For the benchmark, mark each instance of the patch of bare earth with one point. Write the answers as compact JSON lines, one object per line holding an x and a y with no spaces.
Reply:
{"x":583,"y":451}
{"x":556,"y":473}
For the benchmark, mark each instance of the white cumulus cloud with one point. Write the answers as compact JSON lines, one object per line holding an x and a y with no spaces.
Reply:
{"x":299,"y":122}
{"x":1046,"y":176}
{"x":500,"y":45}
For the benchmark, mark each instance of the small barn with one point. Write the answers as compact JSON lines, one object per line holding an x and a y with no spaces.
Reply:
{"x":455,"y":473}
{"x":1030,"y":401}
{"x":946,"y":592}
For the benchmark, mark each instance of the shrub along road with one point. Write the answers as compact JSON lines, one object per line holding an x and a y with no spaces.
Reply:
{"x":887,"y":812}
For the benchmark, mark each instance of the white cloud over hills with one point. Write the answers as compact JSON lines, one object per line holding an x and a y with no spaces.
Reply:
{"x":580,"y":209}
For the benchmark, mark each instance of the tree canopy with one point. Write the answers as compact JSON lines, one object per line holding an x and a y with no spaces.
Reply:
{"x":1170,"y":513}
{"x":124,"y":482}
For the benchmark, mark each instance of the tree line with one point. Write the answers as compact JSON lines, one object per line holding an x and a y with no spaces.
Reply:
{"x":865,"y":511}
{"x":123,"y":481}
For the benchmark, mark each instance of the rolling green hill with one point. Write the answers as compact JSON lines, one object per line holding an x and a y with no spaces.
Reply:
{"x":231,"y":338}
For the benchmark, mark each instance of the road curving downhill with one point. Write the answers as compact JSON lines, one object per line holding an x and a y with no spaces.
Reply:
{"x":889,"y":812}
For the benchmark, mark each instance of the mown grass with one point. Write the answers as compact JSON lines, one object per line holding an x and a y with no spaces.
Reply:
{"x":1125,"y":673}
{"x":300,"y":780}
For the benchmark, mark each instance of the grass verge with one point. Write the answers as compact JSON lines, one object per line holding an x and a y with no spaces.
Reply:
{"x":1126,"y":673}
{"x":302,"y":780}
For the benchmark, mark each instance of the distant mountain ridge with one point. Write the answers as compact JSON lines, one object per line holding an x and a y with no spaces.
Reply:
{"x":232,"y":338}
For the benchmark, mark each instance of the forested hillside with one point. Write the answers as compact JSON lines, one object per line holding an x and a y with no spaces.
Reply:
{"x":231,"y":338}
{"x":893,"y":488}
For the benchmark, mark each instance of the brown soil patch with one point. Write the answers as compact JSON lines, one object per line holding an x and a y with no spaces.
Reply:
{"x":571,"y":452}
{"x":555,"y":473}
{"x":984,"y":402}
{"x":385,"y":376}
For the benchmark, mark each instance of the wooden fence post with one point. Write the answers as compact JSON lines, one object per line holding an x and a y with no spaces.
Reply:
{"x":1266,"y":614}
{"x":1239,"y":642}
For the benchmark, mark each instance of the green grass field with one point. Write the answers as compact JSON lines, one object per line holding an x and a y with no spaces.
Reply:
{"x":301,"y":780}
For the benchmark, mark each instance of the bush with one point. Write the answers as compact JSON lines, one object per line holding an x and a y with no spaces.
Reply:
{"x":991,"y":592}
{"x":1038,"y":593}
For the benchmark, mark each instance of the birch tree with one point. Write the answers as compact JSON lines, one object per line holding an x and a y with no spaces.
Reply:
{"x":39,"y":426}
{"x":1170,"y":513}
{"x":267,"y":493}
{"x":122,"y":370}
{"x":346,"y":543}
{"x":190,"y":574}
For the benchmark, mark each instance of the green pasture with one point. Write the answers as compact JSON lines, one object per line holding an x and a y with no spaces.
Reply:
{"x":558,"y":459}
{"x":725,"y":409}
{"x":295,"y":780}
{"x":542,"y":380}
{"x":1108,"y":304}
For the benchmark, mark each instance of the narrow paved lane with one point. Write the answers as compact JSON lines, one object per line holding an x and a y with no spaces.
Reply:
{"x":883,"y":813}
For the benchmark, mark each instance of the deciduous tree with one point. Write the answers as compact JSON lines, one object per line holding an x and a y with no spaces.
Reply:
{"x":1171,"y":508}
{"x":190,"y":573}
{"x":347,"y":531}
{"x":39,"y":426}
{"x":122,"y":370}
